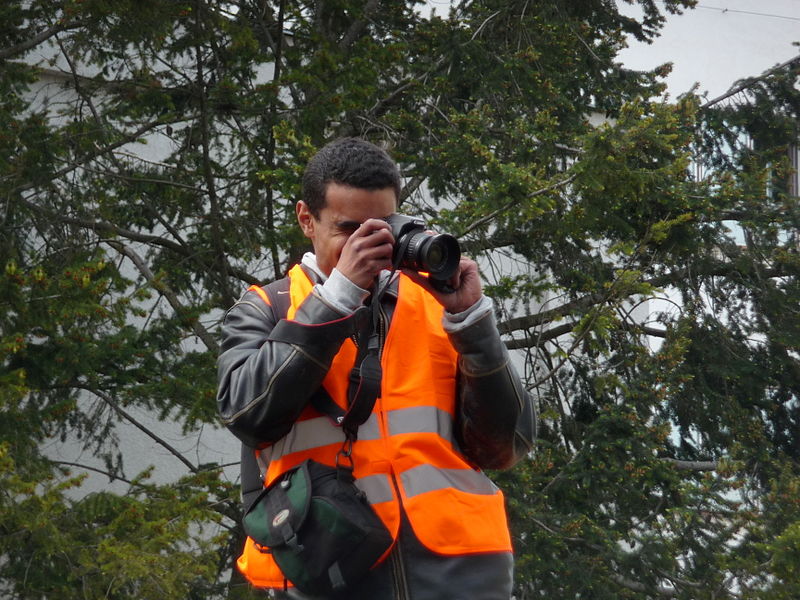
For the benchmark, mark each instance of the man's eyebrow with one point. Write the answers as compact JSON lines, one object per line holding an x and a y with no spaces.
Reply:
{"x":347,"y":225}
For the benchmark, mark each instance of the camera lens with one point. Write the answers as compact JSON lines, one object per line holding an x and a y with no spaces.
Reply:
{"x":437,"y":254}
{"x":417,"y":249}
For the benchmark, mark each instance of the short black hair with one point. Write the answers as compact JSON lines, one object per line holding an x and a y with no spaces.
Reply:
{"x":348,"y":161}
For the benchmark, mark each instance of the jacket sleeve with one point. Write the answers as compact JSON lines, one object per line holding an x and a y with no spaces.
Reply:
{"x":496,"y":424}
{"x":268,"y":369}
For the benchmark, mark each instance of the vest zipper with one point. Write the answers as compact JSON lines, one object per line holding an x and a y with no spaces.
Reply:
{"x":382,"y":318}
{"x":399,"y":580}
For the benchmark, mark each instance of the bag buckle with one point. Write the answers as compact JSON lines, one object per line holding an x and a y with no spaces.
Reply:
{"x":345,"y":453}
{"x":294,"y":543}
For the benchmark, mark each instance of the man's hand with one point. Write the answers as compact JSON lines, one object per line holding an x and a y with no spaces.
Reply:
{"x":466,"y":282}
{"x":367,"y":252}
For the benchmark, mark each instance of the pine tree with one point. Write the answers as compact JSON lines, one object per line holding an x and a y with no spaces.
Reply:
{"x":642,"y":255}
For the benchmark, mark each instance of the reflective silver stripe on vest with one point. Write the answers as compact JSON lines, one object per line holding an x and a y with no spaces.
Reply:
{"x":378,"y":488}
{"x":427,"y":478}
{"x":307,"y":434}
{"x":318,"y":432}
{"x":421,"y":419}
{"x":370,"y":430}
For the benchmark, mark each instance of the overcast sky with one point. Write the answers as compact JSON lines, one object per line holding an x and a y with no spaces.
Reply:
{"x":715,"y":44}
{"x":721,"y":41}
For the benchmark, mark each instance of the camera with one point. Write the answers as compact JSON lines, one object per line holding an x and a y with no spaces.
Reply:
{"x":418,"y":249}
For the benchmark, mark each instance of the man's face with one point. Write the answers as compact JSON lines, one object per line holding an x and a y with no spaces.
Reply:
{"x":345,"y":209}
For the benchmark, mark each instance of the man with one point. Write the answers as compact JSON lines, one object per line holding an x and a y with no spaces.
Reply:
{"x":450,"y":402}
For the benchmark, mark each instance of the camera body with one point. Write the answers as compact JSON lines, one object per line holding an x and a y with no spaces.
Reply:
{"x":418,"y":249}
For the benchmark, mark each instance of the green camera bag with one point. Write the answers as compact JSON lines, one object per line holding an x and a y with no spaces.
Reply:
{"x":319,"y":527}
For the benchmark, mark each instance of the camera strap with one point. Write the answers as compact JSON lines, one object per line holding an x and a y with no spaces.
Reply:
{"x":365,"y":377}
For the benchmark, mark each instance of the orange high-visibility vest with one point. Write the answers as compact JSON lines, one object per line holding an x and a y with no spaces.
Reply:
{"x":406,"y":453}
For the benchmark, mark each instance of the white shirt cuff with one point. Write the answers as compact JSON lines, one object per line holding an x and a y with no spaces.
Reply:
{"x":342,"y":293}
{"x":458,"y":321}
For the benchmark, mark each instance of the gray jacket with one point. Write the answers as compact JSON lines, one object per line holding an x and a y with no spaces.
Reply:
{"x":269,"y":369}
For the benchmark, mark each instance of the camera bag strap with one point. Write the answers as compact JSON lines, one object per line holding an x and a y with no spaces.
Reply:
{"x":277,"y":515}
{"x":365,"y":377}
{"x":364,"y":387}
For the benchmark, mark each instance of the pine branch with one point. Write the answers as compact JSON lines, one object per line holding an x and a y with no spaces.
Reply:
{"x":358,"y":26}
{"x":125,"y":139}
{"x":585,"y":302}
{"x":641,"y":588}
{"x":104,"y":227}
{"x":750,"y":82}
{"x":692,"y":465}
{"x":110,"y":476}
{"x":180,"y":310}
{"x":133,"y":421}
{"x":410,"y":187}
{"x":38,"y":38}
{"x":270,"y":158}
{"x":565,"y":328}
{"x":485,"y":219}
{"x":208,"y":174}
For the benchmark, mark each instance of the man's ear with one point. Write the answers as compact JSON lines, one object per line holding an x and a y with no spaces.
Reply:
{"x":305,"y":219}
